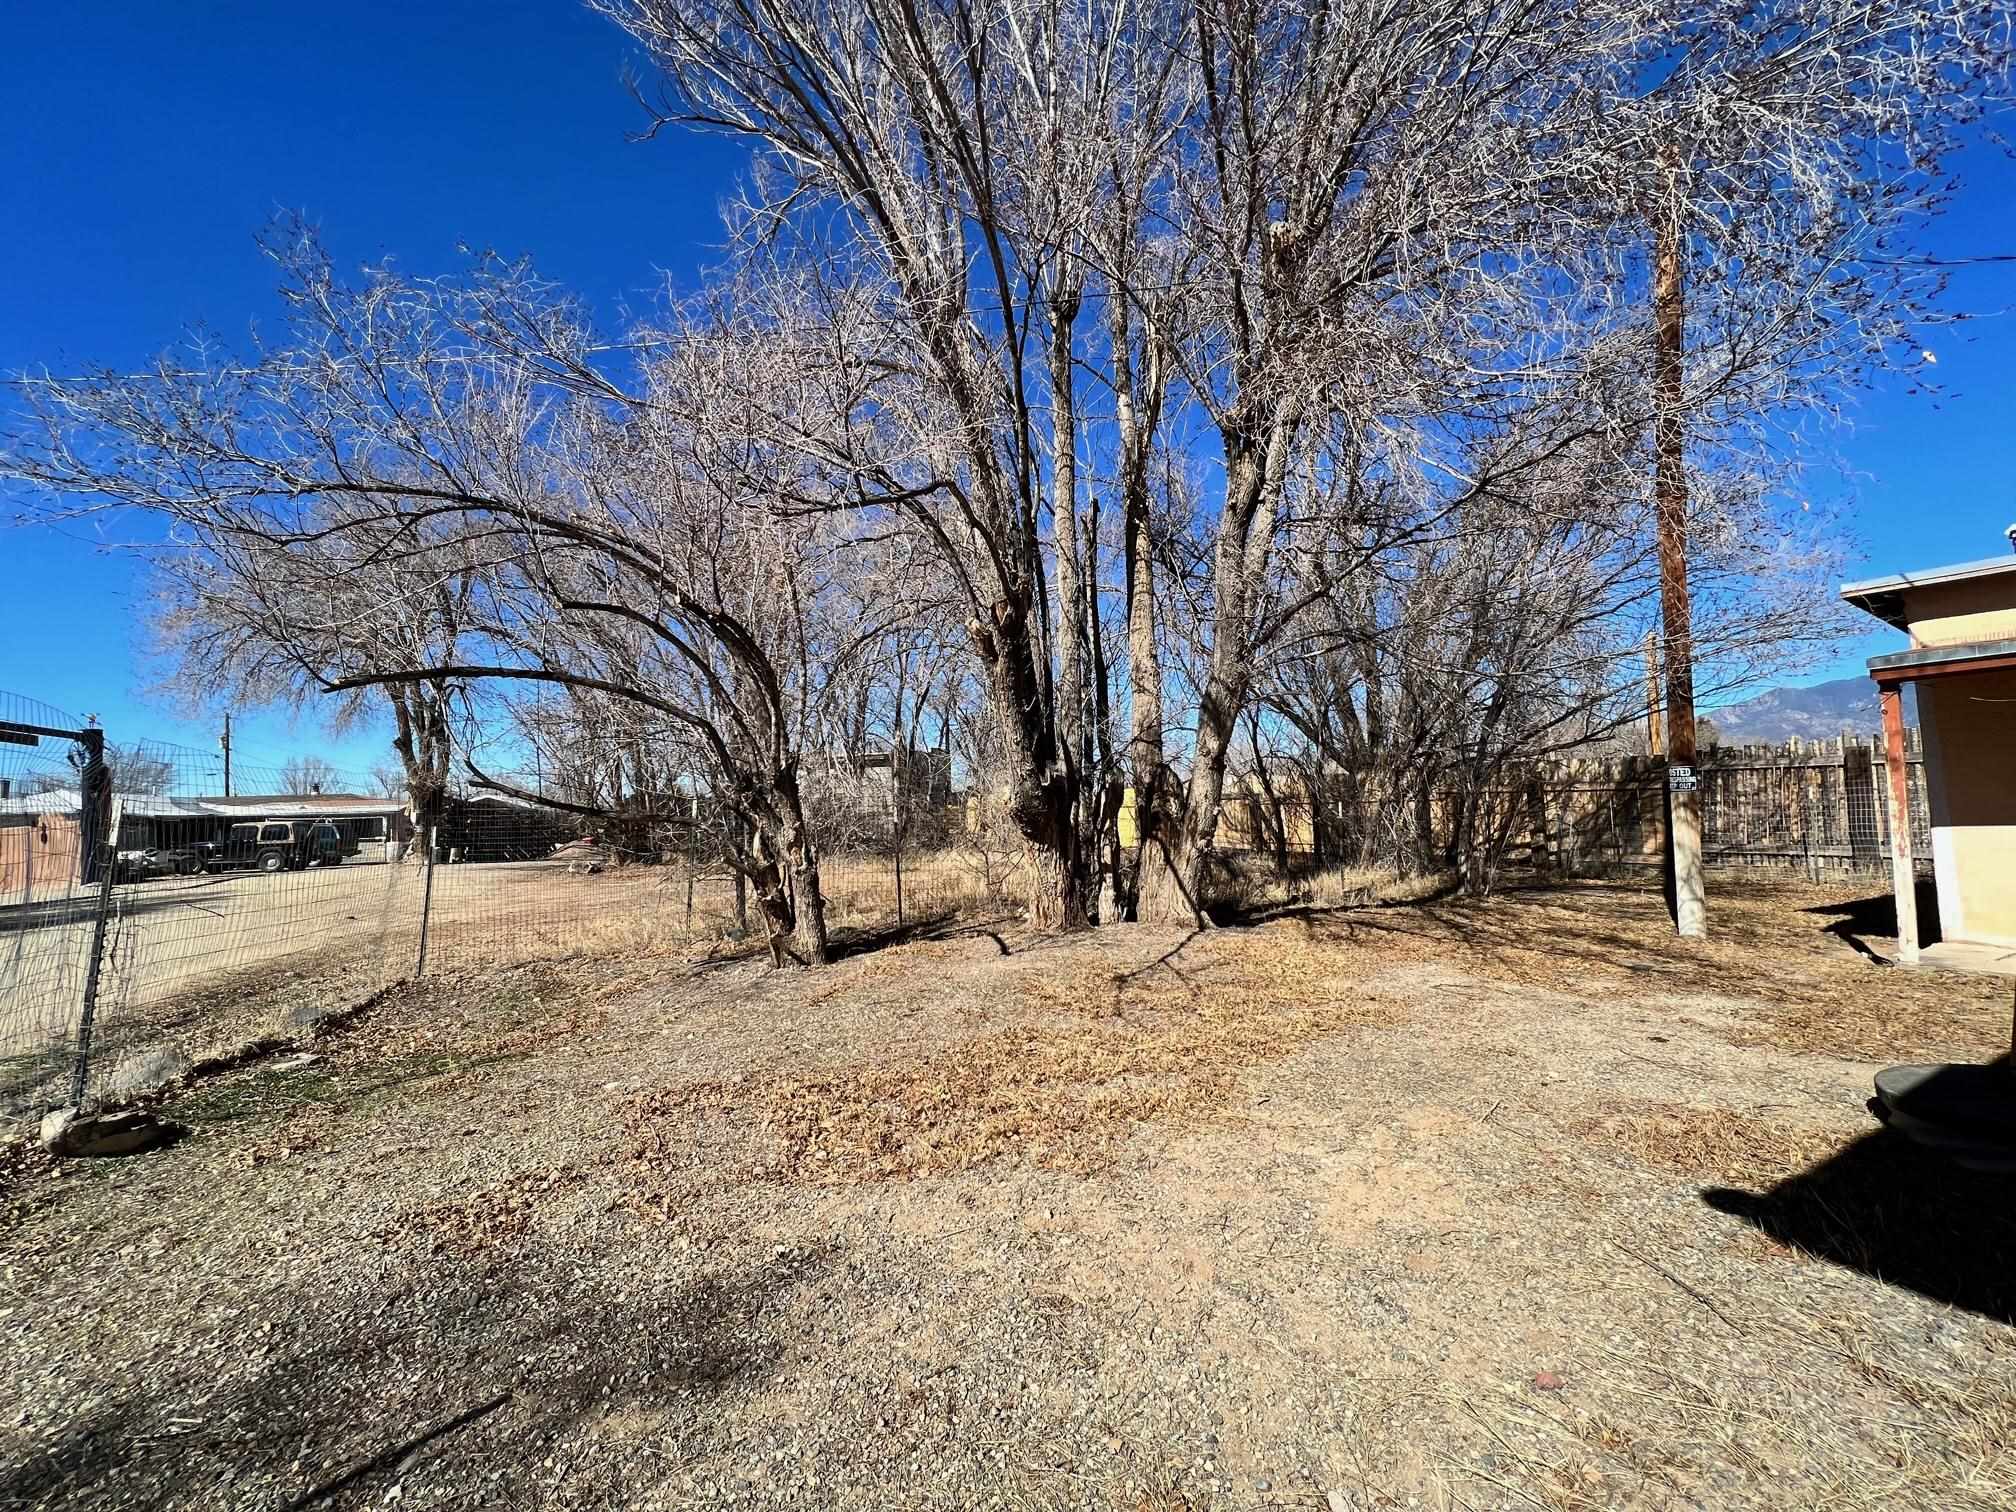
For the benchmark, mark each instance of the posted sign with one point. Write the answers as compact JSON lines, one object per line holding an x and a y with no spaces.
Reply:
{"x":1680,"y":779}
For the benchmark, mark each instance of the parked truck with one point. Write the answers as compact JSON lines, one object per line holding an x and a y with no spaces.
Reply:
{"x":272,"y":845}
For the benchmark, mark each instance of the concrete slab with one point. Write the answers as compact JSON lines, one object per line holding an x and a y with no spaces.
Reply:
{"x":1968,"y":955}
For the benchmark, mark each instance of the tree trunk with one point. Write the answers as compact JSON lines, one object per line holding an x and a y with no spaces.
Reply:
{"x":1146,"y":766}
{"x":1172,"y":875}
{"x":1160,"y":892}
{"x":1057,"y":900}
{"x":1043,"y":785}
{"x":810,"y":935}
{"x":1254,"y":474}
{"x":801,"y":856}
{"x":1065,"y":541}
{"x":1100,"y":833}
{"x":420,"y":739}
{"x":780,"y":920}
{"x":1427,"y":853}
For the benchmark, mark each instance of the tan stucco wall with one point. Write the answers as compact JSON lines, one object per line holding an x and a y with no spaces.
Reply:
{"x":1970,"y":730}
{"x":1956,"y":614}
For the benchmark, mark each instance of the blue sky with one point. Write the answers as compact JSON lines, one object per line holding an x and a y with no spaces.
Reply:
{"x":148,"y":143}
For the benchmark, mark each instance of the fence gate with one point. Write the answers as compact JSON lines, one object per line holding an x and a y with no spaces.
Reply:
{"x":56,"y":873}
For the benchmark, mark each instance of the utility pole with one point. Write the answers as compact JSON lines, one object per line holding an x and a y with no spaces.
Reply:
{"x":1669,"y":490}
{"x":225,"y":742}
{"x":1655,"y":740}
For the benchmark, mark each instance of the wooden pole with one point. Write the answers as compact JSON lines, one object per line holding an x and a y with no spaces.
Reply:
{"x":1683,"y":800}
{"x":1903,"y":873}
{"x":1655,"y":737}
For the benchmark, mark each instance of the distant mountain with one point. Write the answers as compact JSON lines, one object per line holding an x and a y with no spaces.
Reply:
{"x":1847,"y":703}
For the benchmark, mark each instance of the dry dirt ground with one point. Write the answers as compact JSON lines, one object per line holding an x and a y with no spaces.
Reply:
{"x":193,"y":965}
{"x":1523,"y":1204}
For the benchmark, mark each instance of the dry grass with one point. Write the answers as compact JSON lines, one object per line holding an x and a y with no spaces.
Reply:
{"x":503,"y":916}
{"x":1356,"y":886}
{"x":1709,"y":1143}
{"x":861,"y":893}
{"x":1344,"y":1251}
{"x":1792,"y":952}
{"x":1114,"y":1049}
{"x":1666,"y":1429}
{"x":1899,"y":1019}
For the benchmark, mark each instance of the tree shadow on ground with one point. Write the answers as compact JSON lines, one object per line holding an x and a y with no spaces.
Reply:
{"x":846,"y":943}
{"x":1230,"y":914}
{"x":258,"y":1092}
{"x":464,"y":1375}
{"x":1900,"y":1213}
{"x":1598,"y":928}
{"x":1607,"y":925}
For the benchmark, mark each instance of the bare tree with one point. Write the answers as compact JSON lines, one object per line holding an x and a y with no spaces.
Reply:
{"x":307,"y":774}
{"x":952,"y":141}
{"x":1312,"y":344}
{"x":598,"y":541}
{"x":137,"y":769}
{"x":389,"y":779}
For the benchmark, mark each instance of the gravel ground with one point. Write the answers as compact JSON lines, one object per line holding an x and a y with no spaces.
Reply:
{"x":1561,"y":1213}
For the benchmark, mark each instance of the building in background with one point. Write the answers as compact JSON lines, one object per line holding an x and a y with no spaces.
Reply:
{"x":40,"y":847}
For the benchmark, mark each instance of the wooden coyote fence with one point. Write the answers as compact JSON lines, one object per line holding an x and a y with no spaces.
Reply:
{"x":1810,"y":805}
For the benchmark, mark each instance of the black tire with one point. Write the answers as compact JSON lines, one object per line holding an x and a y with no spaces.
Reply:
{"x":212,"y":870}
{"x":272,"y":861}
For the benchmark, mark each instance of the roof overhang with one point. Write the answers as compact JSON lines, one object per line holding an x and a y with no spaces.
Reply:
{"x":1942,"y":661}
{"x":1884,"y":596}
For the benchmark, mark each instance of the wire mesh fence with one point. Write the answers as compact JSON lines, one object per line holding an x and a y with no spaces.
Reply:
{"x":151,"y":910}
{"x":159,"y":907}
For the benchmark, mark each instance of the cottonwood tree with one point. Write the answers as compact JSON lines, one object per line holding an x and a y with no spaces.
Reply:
{"x":249,"y":618}
{"x":602,"y":540}
{"x":963,"y":150}
{"x":1295,"y":218}
{"x":1302,"y":336}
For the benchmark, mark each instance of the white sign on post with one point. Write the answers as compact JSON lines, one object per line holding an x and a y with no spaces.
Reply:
{"x":1680,"y":779}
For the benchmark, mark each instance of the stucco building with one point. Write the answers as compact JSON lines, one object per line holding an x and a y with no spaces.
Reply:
{"x":1962,"y":659}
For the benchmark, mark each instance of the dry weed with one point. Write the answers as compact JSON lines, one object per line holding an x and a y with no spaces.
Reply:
{"x":1113,"y":1050}
{"x":1709,"y":1143}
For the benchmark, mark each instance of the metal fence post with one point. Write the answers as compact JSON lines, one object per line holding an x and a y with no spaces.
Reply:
{"x":98,"y":861}
{"x":81,"y":1077}
{"x":899,"y":871}
{"x":426,"y":897}
{"x":692,"y":865}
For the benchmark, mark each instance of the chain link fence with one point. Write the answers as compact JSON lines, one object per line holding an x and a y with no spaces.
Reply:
{"x":158,"y":909}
